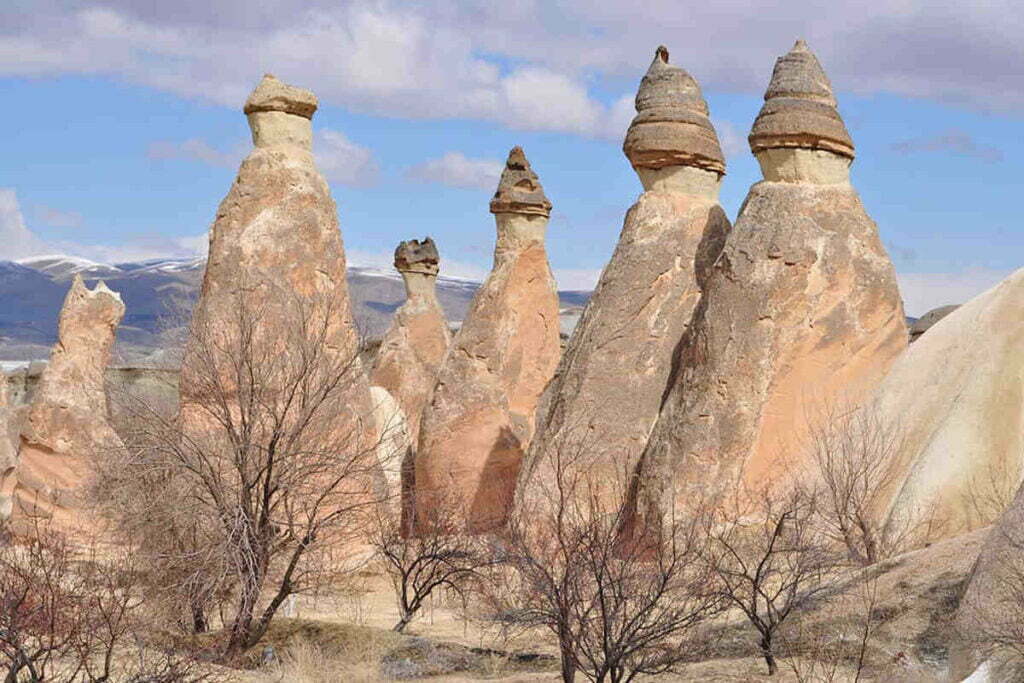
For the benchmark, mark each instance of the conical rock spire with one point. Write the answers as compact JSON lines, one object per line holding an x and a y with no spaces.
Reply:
{"x":519,"y":190}
{"x":671,"y":127}
{"x":799,"y":108}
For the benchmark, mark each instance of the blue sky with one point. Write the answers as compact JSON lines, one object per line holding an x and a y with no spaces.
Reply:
{"x":124,"y":128}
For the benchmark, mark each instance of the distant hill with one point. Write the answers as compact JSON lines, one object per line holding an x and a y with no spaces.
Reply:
{"x":32,"y":290}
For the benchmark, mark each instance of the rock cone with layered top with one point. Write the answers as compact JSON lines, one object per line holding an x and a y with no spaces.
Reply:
{"x":276,"y":253}
{"x":66,"y":425}
{"x":800,"y":310}
{"x":481,"y":417}
{"x":612,"y":378}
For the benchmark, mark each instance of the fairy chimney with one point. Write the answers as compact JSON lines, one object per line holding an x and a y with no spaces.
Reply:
{"x":8,"y":452}
{"x":276,"y":251}
{"x":66,"y":425}
{"x":800,"y":311}
{"x":480,"y":419}
{"x":615,"y":370}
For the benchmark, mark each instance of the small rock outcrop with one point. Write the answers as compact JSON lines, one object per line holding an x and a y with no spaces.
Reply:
{"x":66,"y":425}
{"x":801,"y":309}
{"x":926,"y":321}
{"x":480,"y":418}
{"x":275,"y":246}
{"x":957,"y":398}
{"x":608,"y":389}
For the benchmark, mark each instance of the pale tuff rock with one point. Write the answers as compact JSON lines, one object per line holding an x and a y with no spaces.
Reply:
{"x":928,"y":320}
{"x":414,"y":345}
{"x":8,"y":452}
{"x":66,"y":425}
{"x":606,"y":393}
{"x":801,"y":310}
{"x":671,"y":127}
{"x":957,"y":396}
{"x":277,"y":231}
{"x":394,"y":434}
{"x":480,"y":419}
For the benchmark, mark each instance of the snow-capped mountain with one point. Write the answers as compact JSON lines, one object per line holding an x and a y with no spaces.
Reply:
{"x":32,"y":290}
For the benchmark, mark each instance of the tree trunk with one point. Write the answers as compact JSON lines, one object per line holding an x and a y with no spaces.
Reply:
{"x":568,"y":661}
{"x":402,"y":623}
{"x":769,"y":656}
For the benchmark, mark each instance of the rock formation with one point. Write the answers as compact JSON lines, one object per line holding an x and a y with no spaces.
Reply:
{"x":610,"y":382}
{"x":66,"y":424}
{"x":409,"y":357}
{"x":414,"y":346}
{"x":957,"y":399}
{"x":275,"y":247}
{"x":8,"y":451}
{"x":801,"y":308}
{"x":481,"y":416}
{"x":926,"y":321}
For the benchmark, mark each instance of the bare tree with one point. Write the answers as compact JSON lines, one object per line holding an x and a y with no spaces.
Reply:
{"x":76,"y":614}
{"x":770,"y":558}
{"x":442,"y":555}
{"x":853,"y":453}
{"x":619,"y":606}
{"x":272,"y":458}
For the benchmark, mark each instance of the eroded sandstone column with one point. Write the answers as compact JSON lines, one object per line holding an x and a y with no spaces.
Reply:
{"x":409,"y":358}
{"x":800,"y":311}
{"x":66,"y":427}
{"x":610,"y":383}
{"x":8,"y":452}
{"x":481,"y":416}
{"x":275,"y":247}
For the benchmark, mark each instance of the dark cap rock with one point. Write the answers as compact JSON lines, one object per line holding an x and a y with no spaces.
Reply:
{"x":274,"y":95}
{"x":415,"y":256}
{"x":671,"y":127}
{"x":799,"y":108}
{"x":519,"y":190}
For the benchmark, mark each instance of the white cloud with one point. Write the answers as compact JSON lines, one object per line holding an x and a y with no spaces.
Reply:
{"x":577,"y":279}
{"x":732,"y":141}
{"x":343,"y":161}
{"x":924,"y":291}
{"x":455,"y":169}
{"x":16,"y":239}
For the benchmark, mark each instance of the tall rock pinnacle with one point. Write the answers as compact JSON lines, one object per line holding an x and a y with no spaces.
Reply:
{"x":615,"y":370}
{"x":480,"y":419}
{"x":276,"y":251}
{"x":66,"y":425}
{"x":410,"y":354}
{"x":801,"y":312}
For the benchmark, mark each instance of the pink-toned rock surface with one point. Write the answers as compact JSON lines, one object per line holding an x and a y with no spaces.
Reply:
{"x":480,"y":419}
{"x":409,"y":358}
{"x":415,"y":344}
{"x":613,"y":376}
{"x":800,"y":311}
{"x":276,"y":244}
{"x":66,"y":424}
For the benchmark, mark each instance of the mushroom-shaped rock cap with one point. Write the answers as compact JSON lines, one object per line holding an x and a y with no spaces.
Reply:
{"x":519,"y":190}
{"x":799,"y":108}
{"x":274,"y":95}
{"x":414,"y":256}
{"x":671,"y":127}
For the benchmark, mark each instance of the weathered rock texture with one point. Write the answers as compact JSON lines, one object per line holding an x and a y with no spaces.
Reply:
{"x":481,"y":416}
{"x":611,"y":381}
{"x":408,"y":360}
{"x":414,"y":346}
{"x":66,"y":425}
{"x":275,"y":244}
{"x":8,"y":451}
{"x":800,"y":309}
{"x":957,"y":399}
